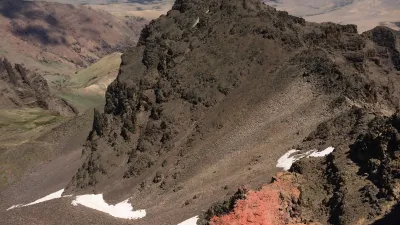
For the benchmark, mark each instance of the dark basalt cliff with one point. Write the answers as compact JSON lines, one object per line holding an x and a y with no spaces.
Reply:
{"x":189,"y":62}
{"x":20,"y":88}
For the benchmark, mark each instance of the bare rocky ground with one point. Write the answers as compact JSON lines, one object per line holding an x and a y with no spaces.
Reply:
{"x":215,"y":92}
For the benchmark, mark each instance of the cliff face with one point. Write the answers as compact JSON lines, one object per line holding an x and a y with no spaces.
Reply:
{"x":214,"y":83}
{"x":19,"y":88}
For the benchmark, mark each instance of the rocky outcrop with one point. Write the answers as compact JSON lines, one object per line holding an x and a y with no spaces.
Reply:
{"x":376,"y":152}
{"x":19,"y":88}
{"x":274,"y":204}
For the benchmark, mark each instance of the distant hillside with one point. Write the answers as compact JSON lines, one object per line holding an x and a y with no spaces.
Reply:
{"x":145,"y":9}
{"x":59,"y":38}
{"x":148,"y":9}
{"x":365,"y":14}
{"x":99,"y":1}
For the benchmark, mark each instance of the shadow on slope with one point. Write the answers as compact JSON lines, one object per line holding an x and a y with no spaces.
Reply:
{"x":392,"y":218}
{"x":48,"y":30}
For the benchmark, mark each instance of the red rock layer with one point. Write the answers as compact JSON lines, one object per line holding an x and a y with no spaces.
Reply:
{"x":274,"y":204}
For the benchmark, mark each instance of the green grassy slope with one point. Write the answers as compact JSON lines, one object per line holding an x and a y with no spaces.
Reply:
{"x":96,"y":72}
{"x":86,"y":89}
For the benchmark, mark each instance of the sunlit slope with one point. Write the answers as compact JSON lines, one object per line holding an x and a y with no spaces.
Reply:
{"x":86,"y":89}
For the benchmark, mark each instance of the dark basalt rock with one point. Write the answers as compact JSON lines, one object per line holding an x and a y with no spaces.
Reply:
{"x":377,"y":152}
{"x":222,"y":208}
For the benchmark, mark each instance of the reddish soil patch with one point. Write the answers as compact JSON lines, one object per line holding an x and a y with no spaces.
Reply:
{"x":274,"y":204}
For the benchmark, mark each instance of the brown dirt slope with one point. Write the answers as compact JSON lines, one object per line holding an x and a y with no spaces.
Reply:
{"x":32,"y":168}
{"x":217,"y":90}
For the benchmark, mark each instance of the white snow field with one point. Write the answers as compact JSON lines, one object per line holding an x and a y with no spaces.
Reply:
{"x":287,"y":160}
{"x":191,"y":221}
{"x":122,"y":210}
{"x":49,"y":197}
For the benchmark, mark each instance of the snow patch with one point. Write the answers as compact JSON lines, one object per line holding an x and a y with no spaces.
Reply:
{"x":122,"y":210}
{"x":196,"y":22}
{"x":49,"y":197}
{"x":323,"y":153}
{"x":191,"y":221}
{"x":15,"y":206}
{"x":287,"y":160}
{"x":207,"y":11}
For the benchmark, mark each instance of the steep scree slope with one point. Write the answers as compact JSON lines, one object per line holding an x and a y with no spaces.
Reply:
{"x":217,"y":90}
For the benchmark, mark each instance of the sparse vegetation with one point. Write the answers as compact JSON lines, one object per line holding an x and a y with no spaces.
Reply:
{"x":27,"y":119}
{"x":86,"y":88}
{"x":50,"y":63}
{"x":82,"y":101}
{"x":97,"y":71}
